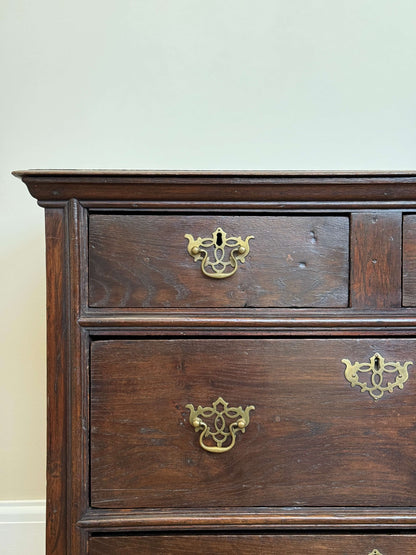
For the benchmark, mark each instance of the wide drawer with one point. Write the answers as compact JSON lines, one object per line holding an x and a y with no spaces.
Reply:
{"x":312,"y":438}
{"x":288,"y":261}
{"x":264,"y":544}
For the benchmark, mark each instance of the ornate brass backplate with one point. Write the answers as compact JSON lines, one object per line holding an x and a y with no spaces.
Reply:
{"x":214,"y":250}
{"x":375,"y":552}
{"x":379,"y":376}
{"x":220,"y":412}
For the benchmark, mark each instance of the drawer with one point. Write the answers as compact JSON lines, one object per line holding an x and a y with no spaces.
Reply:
{"x":314,"y":437}
{"x":289,"y":261}
{"x":264,"y":544}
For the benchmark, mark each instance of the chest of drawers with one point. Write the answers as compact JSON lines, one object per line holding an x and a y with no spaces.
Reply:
{"x":231,"y":362}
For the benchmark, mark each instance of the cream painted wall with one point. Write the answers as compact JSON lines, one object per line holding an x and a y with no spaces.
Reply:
{"x":230,"y":84}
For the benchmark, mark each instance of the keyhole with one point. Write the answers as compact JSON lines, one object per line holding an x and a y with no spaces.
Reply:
{"x":219,"y":239}
{"x":377,"y":364}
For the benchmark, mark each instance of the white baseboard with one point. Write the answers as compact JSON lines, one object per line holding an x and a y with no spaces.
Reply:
{"x":22,"y":527}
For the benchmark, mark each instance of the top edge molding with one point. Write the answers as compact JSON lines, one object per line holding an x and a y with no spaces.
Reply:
{"x":276,"y":187}
{"x":209,"y":173}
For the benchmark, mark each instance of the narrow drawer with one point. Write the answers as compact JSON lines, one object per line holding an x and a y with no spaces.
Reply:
{"x":245,"y":544}
{"x":288,"y":261}
{"x":312,"y":439}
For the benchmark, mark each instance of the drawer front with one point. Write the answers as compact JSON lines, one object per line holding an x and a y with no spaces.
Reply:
{"x":143,"y":261}
{"x":263,"y":544}
{"x":313,"y":439}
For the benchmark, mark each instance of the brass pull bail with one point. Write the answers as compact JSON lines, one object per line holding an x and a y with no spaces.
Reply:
{"x":219,"y":412}
{"x":212,"y":251}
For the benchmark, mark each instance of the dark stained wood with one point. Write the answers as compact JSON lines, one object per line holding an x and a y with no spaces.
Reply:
{"x":105,"y":174}
{"x":376,"y":240}
{"x":312,"y":440}
{"x":251,"y":322}
{"x":57,"y":392}
{"x":78,"y":382}
{"x":409,"y":260}
{"x":321,"y":462}
{"x":254,"y":519}
{"x":142,"y":261}
{"x":232,"y":186}
{"x":245,"y":544}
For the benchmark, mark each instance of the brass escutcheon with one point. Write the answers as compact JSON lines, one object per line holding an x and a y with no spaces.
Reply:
{"x":219,"y":245}
{"x":378,"y":374}
{"x":375,"y":552}
{"x":219,"y":411}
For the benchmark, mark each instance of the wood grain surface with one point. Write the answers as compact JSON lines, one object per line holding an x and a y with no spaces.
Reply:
{"x":142,"y":261}
{"x":57,"y":329}
{"x":263,"y":544}
{"x":376,"y":261}
{"x":312,"y":439}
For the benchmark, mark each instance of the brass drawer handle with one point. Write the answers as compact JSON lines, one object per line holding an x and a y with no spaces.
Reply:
{"x":219,"y":412}
{"x":218,"y":267}
{"x":376,"y":368}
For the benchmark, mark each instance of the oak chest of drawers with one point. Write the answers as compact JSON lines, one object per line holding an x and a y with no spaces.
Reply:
{"x":231,"y":362}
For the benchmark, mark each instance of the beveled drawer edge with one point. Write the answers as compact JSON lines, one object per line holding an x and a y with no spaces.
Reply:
{"x":236,"y":319}
{"x":261,"y":518}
